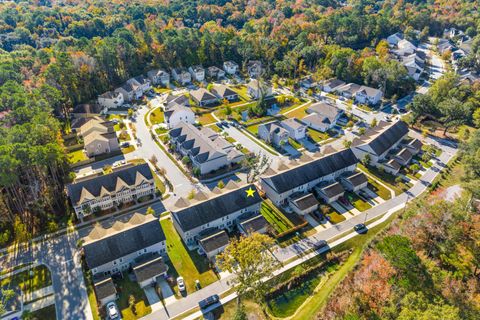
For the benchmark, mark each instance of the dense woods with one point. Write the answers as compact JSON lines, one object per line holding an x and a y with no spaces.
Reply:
{"x":56,"y":54}
{"x":427,"y":265}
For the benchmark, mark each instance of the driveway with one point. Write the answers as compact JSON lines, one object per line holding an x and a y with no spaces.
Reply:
{"x":291,"y":151}
{"x":310,"y":146}
{"x":247,"y":142}
{"x":151,"y":294}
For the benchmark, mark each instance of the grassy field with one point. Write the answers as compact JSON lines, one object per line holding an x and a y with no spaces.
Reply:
{"x":380,"y":190}
{"x":357,"y":202}
{"x":276,"y":218}
{"x":206,"y":118}
{"x":127,"y":288}
{"x":47,"y":313}
{"x":251,"y":308}
{"x":41,"y":278}
{"x":76,"y":156}
{"x":317,"y":136}
{"x":188,"y":264}
{"x":156,"y":116}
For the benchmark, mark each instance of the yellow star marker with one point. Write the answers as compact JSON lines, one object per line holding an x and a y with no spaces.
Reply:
{"x":250,"y":192}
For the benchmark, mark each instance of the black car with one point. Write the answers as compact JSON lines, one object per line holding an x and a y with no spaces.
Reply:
{"x":359,"y":227}
{"x":321,"y":244}
{"x":205,"y":303}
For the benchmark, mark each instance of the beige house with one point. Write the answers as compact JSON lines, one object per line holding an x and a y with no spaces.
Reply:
{"x":97,"y":143}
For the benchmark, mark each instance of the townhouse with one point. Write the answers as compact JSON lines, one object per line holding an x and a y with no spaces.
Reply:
{"x":196,"y":220}
{"x":98,"y":135}
{"x":322,"y":116}
{"x":176,"y":110}
{"x":207,"y":150}
{"x":112,"y":250}
{"x":100,"y":192}
{"x":377,"y":142}
{"x":159,"y":77}
{"x":215,"y":72}
{"x":110,"y":99}
{"x":304,"y":177}
{"x":368,"y":95}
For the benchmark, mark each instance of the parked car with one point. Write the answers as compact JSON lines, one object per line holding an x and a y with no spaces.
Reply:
{"x":125,"y":144}
{"x":205,"y":303}
{"x":321,"y":244}
{"x":181,"y":284}
{"x":359,"y":227}
{"x":112,"y":311}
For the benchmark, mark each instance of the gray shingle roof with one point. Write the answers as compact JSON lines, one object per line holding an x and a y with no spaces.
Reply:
{"x":104,"y":288}
{"x":202,"y":94}
{"x":215,"y":208}
{"x":356,"y":178}
{"x":223,"y":91}
{"x":108,"y":181}
{"x":383,"y":137}
{"x":151,"y":267}
{"x":310,"y":171}
{"x":254,"y":224}
{"x":305,"y":201}
{"x":117,"y":244}
{"x":332,"y":190}
{"x":215,"y":241}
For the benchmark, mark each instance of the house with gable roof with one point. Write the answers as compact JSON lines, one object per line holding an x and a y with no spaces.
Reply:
{"x":105,"y":191}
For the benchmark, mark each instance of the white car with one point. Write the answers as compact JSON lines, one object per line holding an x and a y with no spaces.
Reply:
{"x":181,"y":284}
{"x":112,"y":311}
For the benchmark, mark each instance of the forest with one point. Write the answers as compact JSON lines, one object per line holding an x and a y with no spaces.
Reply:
{"x":56,"y":54}
{"x":427,"y":264}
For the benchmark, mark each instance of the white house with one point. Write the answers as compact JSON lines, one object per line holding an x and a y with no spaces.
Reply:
{"x":203,"y":97}
{"x":256,"y":90}
{"x":181,"y":75}
{"x":406,"y":46}
{"x":142,"y":82}
{"x":322,"y":116}
{"x":113,"y":250}
{"x":394,"y":39}
{"x":330,"y":191}
{"x":304,"y":177}
{"x":177,"y":114}
{"x":303,"y":204}
{"x":159,"y":76}
{"x":230,"y":67}
{"x":296,"y":129}
{"x":197,"y":72}
{"x":110,"y":99}
{"x":130,"y":91}
{"x":273,"y":133}
{"x":207,"y":149}
{"x":354,"y":181}
{"x":220,"y":212}
{"x":368,"y":95}
{"x":332,"y":84}
{"x":124,"y":184}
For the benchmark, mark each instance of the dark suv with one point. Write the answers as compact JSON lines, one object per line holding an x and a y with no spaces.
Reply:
{"x":205,"y":303}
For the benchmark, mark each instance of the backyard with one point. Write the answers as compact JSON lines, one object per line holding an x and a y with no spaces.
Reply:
{"x":357,"y":202}
{"x":386,"y":178}
{"x":332,"y":215}
{"x":76,"y":156}
{"x":189,"y":264}
{"x":380,"y":190}
{"x":318,"y":136}
{"x":126,"y":288}
{"x":156,"y":116}
{"x":206,"y":118}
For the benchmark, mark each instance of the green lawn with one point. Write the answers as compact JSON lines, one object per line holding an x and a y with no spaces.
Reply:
{"x":41,"y":278}
{"x":253,"y":128}
{"x":126,"y":288}
{"x":47,"y":313}
{"x":242,"y":92}
{"x":91,"y":294}
{"x":128,"y":149}
{"x":124,"y":136}
{"x":159,"y":184}
{"x":156,"y":116}
{"x":357,"y":202}
{"x":189,"y":264}
{"x":294,"y":143}
{"x":161,"y":130}
{"x":161,"y":90}
{"x":76,"y":156}
{"x":276,"y":218}
{"x":380,"y":190}
{"x":386,"y":178}
{"x":317,"y":136}
{"x":206,"y":118}
{"x":298,"y":113}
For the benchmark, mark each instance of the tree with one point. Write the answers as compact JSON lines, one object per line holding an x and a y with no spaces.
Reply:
{"x":347,"y":143}
{"x":374,"y":123}
{"x":130,"y":113}
{"x":186,"y":160}
{"x":210,"y":86}
{"x":150,"y":211}
{"x":256,"y":165}
{"x":414,"y":168}
{"x":20,"y":231}
{"x":131,"y":304}
{"x":221,"y":184}
{"x":6,"y":295}
{"x":249,"y":259}
{"x":361,"y":131}
{"x":366,"y":160}
{"x":154,"y":160}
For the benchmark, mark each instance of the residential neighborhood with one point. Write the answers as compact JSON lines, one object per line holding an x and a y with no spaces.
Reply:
{"x":224,"y":161}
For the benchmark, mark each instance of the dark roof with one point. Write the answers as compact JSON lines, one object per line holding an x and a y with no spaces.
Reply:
{"x":356,"y":178}
{"x":108,"y":181}
{"x":310,"y":171}
{"x":104,"y":288}
{"x":254,"y":224}
{"x":88,"y":108}
{"x":117,"y":244}
{"x":223,"y":91}
{"x":151,"y":267}
{"x":214,"y":241}
{"x":404,"y":154}
{"x":332,"y":190}
{"x":305,"y":201}
{"x":380,"y":139}
{"x":392,"y":163}
{"x":415,"y":144}
{"x":215,"y":208}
